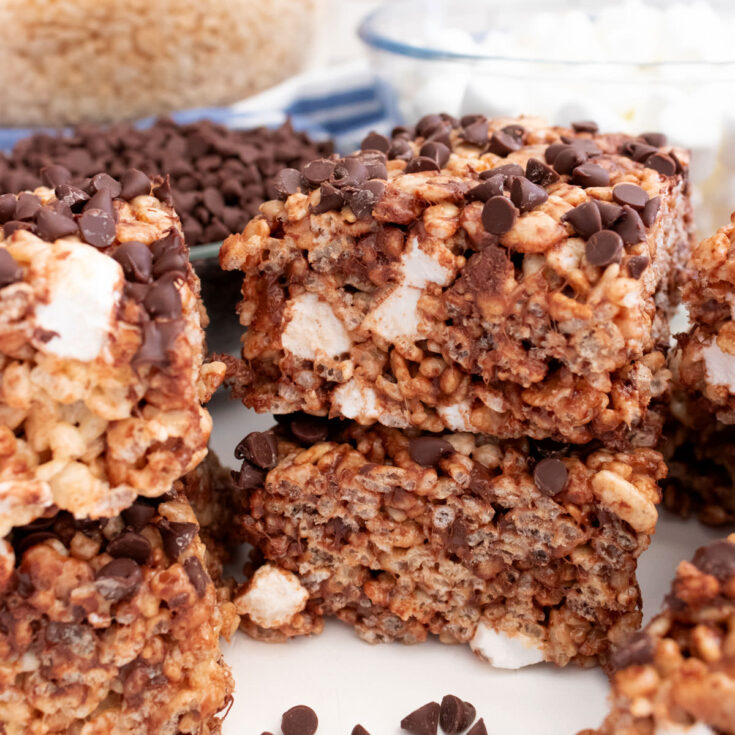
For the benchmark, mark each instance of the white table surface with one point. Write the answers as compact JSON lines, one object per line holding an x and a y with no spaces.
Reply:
{"x":348,"y":682}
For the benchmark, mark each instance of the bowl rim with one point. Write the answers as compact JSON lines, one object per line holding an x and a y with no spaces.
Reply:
{"x":369,"y":35}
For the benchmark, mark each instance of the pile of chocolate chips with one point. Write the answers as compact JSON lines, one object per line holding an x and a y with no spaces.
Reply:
{"x":453,"y":715}
{"x":219,"y":177}
{"x":119,"y":579}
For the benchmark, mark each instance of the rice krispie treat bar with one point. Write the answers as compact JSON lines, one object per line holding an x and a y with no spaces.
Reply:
{"x":101,"y":348}
{"x":677,"y":676}
{"x":704,"y":363}
{"x":494,"y":276}
{"x":112,"y":626}
{"x":525,"y":550}
{"x":701,"y":471}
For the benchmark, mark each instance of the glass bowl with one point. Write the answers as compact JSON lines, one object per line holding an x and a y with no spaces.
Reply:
{"x":649,"y":70}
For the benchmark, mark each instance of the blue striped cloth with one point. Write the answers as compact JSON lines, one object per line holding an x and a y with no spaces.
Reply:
{"x":343,"y":103}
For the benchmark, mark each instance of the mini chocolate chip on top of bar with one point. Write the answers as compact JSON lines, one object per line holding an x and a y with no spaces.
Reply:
{"x":499,"y":215}
{"x":428,"y":450}
{"x":299,"y":720}
{"x":637,"y":264}
{"x":423,"y":721}
{"x":603,"y":248}
{"x":584,"y":218}
{"x":585,"y":126}
{"x":630,"y":194}
{"x":590,"y":174}
{"x":10,"y":270}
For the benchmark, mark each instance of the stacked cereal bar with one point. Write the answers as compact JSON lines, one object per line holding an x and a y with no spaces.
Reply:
{"x":109,"y":617}
{"x":700,"y":447}
{"x":494,"y":276}
{"x":101,"y":348}
{"x":112,"y":626}
{"x":484,"y":304}
{"x":678,"y":675}
{"x":524,"y":549}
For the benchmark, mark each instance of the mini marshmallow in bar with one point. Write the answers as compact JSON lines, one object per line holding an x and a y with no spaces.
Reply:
{"x":102,"y":377}
{"x":677,"y":676}
{"x":113,"y":626}
{"x":525,"y":550}
{"x":704,"y":364}
{"x":496,"y":276}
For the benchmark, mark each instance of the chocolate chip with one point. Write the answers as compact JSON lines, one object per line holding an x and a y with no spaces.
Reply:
{"x":648,"y":215}
{"x":27,"y":206}
{"x":515,"y":131}
{"x":349,"y":172}
{"x":498,"y":215}
{"x":136,"y":260}
{"x":138,"y":515}
{"x":437,"y":151}
{"x":134,"y":183}
{"x":590,"y":174}
{"x":478,"y":728}
{"x":119,"y":579}
{"x":55,"y":175}
{"x":130,"y":545}
{"x":585,"y":219}
{"x":104,"y":182}
{"x":309,"y":429}
{"x":585,"y":126}
{"x":299,"y":720}
{"x":640,"y":152}
{"x":568,"y":158}
{"x":550,"y":476}
{"x":169,"y":255}
{"x":655,"y":139}
{"x":630,"y":226}
{"x":52,"y":225}
{"x":317,"y":171}
{"x":552,"y":151}
{"x":176,"y":536}
{"x":101,"y":200}
{"x":603,"y":248}
{"x":609,"y":213}
{"x":287,"y":182}
{"x":717,"y":559}
{"x":400,"y":149}
{"x":636,"y":265}
{"x":421,"y":164}
{"x":10,"y":271}
{"x":423,"y":721}
{"x":362,"y":199}
{"x":539,"y":173}
{"x":163,"y":300}
{"x":526,"y":195}
{"x":455,"y":716}
{"x":157,"y":343}
{"x":359,"y":730}
{"x":72,"y":196}
{"x":248,"y":477}
{"x":428,"y":123}
{"x":375,"y":142}
{"x":428,"y":450}
{"x":197,"y":576}
{"x":330,"y":198}
{"x":7,"y":207}
{"x":502,"y":143}
{"x":662,"y":163}
{"x":638,"y":650}
{"x":259,"y":448}
{"x":163,"y":192}
{"x":15,"y":224}
{"x":475,"y":132}
{"x":492,"y":187}
{"x":630,"y":194}
{"x":97,"y":227}
{"x":506,"y":170}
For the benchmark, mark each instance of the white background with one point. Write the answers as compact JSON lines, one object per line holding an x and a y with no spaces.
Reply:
{"x":348,"y":682}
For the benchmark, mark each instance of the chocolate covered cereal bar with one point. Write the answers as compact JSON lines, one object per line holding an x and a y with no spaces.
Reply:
{"x":524,"y":549}
{"x":112,"y":626}
{"x":677,"y":676}
{"x":704,"y":364}
{"x":494,"y":276}
{"x":101,"y":348}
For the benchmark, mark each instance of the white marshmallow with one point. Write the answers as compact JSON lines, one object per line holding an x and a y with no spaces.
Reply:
{"x":313,"y":328}
{"x":419,"y":268}
{"x":456,"y":416}
{"x":503,"y":651}
{"x":355,"y":401}
{"x":84,"y":289}
{"x":719,"y":366}
{"x":273,"y":597}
